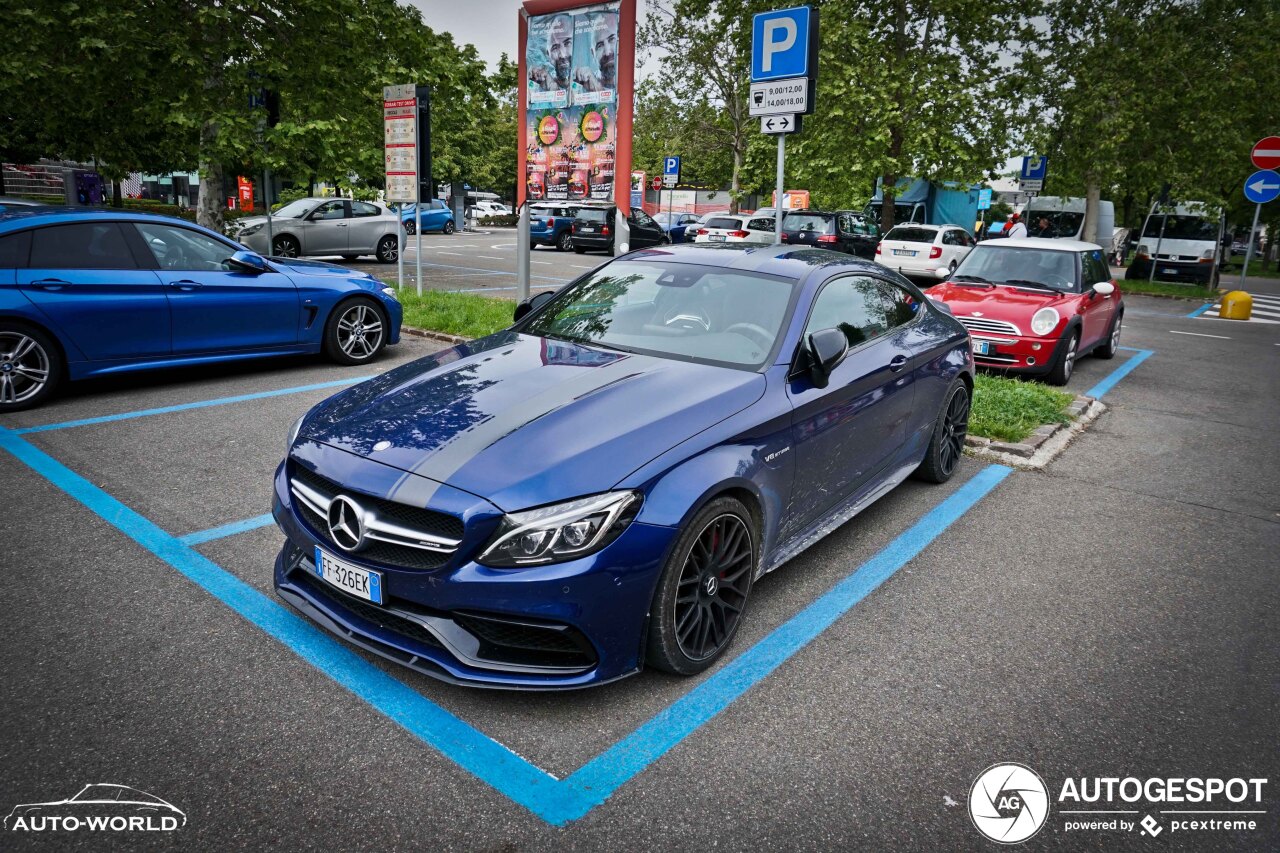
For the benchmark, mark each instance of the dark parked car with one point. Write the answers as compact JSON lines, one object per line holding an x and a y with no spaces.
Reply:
{"x":840,"y":232}
{"x":94,"y":292}
{"x":551,"y":225}
{"x":599,"y":486}
{"x":11,"y":204}
{"x":594,"y":230}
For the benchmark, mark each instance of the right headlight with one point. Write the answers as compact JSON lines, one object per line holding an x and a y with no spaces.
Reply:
{"x":559,"y":532}
{"x":252,"y":229}
{"x":1044,"y":321}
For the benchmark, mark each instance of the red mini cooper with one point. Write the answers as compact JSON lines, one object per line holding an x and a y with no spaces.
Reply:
{"x":1034,"y":306}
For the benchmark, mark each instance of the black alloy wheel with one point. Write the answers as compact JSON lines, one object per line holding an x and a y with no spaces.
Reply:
{"x":946,"y":445}
{"x":564,"y":242}
{"x":388,"y":249}
{"x":286,"y":247}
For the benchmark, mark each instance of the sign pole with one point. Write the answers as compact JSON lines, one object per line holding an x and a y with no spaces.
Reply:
{"x":1248,"y":253}
{"x":417,"y":232}
{"x":777,"y":204}
{"x":1164,"y":220}
{"x":400,"y":251}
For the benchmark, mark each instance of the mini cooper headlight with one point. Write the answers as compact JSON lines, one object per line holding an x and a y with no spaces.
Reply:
{"x":1044,"y":321}
{"x":293,"y":435}
{"x":252,"y":229}
{"x":565,"y":531}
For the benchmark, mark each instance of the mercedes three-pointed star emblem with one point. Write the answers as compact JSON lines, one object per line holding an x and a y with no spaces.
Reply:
{"x":346,"y":526}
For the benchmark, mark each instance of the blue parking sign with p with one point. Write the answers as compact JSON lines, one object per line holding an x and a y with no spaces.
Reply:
{"x":780,"y":44}
{"x":1034,"y":168}
{"x":671,"y":166}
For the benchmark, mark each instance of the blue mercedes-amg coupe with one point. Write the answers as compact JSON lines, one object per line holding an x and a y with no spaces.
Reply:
{"x":598,"y":487}
{"x":96,"y":292}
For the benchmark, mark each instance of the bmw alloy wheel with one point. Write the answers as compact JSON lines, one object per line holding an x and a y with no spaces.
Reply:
{"x":360,"y":331}
{"x":25,"y":367}
{"x":713,"y":587}
{"x":955,"y":425}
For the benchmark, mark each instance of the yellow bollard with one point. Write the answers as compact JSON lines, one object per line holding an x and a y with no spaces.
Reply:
{"x":1236,"y":305}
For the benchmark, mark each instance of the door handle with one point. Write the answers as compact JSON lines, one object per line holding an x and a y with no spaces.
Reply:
{"x":342,"y":225}
{"x":185,"y":284}
{"x":897,"y":363}
{"x":50,"y":284}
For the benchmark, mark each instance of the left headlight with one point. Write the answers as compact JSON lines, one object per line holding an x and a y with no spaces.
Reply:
{"x":293,"y":435}
{"x":252,"y":229}
{"x":1044,"y":321}
{"x":565,"y":531}
{"x":390,"y":292}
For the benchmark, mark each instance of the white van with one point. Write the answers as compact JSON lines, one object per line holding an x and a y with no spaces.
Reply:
{"x":1192,"y":233}
{"x":1066,"y":218}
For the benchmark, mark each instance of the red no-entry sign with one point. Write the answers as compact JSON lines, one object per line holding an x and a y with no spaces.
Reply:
{"x":1266,"y":154}
{"x":657,"y":183}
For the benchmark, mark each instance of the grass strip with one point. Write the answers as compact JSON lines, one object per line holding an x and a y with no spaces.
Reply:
{"x":1007,"y":409}
{"x":465,"y":314}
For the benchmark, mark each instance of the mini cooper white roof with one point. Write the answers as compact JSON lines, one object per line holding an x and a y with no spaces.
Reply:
{"x":1044,"y":243}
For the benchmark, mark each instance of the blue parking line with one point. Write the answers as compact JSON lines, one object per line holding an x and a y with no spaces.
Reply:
{"x":220,"y":401}
{"x":1201,"y":309}
{"x":1120,"y":372}
{"x":226,"y":530}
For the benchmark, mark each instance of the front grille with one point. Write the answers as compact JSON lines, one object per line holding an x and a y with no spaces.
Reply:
{"x":981,"y":324}
{"x":427,"y":521}
{"x":996,"y":357}
{"x":368,"y":612}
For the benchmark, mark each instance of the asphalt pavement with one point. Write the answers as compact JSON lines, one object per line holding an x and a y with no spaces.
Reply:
{"x":1112,"y":615}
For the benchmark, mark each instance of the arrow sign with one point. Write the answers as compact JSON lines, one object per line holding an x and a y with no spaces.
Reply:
{"x":1262,"y":187}
{"x":778,"y":124}
{"x":1266,"y":154}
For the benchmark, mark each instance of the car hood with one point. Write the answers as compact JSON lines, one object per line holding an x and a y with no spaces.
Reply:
{"x":998,"y":303}
{"x":304,"y":267}
{"x":523,"y":421}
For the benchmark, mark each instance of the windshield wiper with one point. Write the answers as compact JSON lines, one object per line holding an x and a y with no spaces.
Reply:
{"x":976,"y":279}
{"x":1028,"y":283}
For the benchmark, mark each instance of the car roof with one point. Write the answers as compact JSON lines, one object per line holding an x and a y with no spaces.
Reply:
{"x":924,"y":225}
{"x":12,"y":220}
{"x":1046,"y":243}
{"x":787,"y":261}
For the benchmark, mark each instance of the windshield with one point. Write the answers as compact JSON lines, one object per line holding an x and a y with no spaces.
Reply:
{"x":1058,"y":224}
{"x":724,"y":222}
{"x":296,"y":209}
{"x":709,"y":315}
{"x":1020,"y":266}
{"x":1182,"y":228}
{"x":807,"y":222}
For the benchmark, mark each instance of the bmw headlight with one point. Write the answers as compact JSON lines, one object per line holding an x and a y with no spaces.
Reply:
{"x":390,"y":292}
{"x":565,"y":531}
{"x":1044,"y":321}
{"x":293,"y":435}
{"x":252,"y":229}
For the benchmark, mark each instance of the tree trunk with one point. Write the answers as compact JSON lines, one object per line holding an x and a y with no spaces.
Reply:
{"x":209,"y":201}
{"x":116,"y":199}
{"x":2,"y":190}
{"x":887,"y":210}
{"x":1092,"y":192}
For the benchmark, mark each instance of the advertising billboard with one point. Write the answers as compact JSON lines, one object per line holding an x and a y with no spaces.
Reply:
{"x":576,"y":101}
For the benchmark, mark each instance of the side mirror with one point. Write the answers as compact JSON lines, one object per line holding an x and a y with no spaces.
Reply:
{"x":942,"y":273}
{"x":249,"y":262}
{"x":940,"y":305}
{"x":826,"y":349}
{"x":535,"y":301}
{"x":1104,"y":288}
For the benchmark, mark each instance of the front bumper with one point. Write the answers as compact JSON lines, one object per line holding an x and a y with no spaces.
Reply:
{"x":561,"y":626}
{"x":1020,"y":354}
{"x":1198,"y":272}
{"x":593,"y":242}
{"x":256,"y":242}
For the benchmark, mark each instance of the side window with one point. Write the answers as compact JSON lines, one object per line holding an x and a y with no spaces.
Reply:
{"x":760,"y":225}
{"x":1092,"y":269}
{"x":331,"y":210}
{"x":641,"y":217}
{"x":862,"y":308}
{"x":182,"y":249}
{"x":362,"y":208}
{"x":14,"y":249}
{"x":81,"y":246}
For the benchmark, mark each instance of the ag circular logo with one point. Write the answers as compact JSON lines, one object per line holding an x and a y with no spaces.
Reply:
{"x":1008,"y":803}
{"x":548,"y":130}
{"x":592,"y":126}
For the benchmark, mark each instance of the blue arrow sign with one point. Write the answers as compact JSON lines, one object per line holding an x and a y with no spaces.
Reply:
{"x":780,"y":44}
{"x":984,"y":199}
{"x":1262,"y":186}
{"x":671,"y":166}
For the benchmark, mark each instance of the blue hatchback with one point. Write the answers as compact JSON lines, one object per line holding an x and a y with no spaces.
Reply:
{"x":551,"y":225}
{"x":435,"y":216}
{"x":96,"y":292}
{"x":598,"y":487}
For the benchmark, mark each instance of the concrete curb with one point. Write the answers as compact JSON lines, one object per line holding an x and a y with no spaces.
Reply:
{"x":1042,"y":446}
{"x":435,"y":336}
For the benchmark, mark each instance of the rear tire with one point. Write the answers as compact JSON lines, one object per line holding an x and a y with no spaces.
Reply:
{"x":702,"y":594}
{"x":410,"y":228}
{"x":356,"y":332}
{"x":946,"y":444}
{"x":31,"y":367}
{"x":564,"y":242}
{"x":579,"y":251}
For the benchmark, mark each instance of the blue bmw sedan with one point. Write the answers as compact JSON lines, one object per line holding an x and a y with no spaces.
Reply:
{"x":597,"y":487}
{"x":95,"y":292}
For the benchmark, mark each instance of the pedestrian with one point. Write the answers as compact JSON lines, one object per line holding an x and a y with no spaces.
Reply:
{"x":1016,"y":227}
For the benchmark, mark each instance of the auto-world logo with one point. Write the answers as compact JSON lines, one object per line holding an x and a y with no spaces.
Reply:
{"x":98,"y":808}
{"x":1008,"y":803}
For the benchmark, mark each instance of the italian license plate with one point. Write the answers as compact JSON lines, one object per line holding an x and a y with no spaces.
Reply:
{"x":981,"y":348}
{"x":716,"y":238}
{"x":1168,"y":271}
{"x":352,"y":580}
{"x":908,"y":252}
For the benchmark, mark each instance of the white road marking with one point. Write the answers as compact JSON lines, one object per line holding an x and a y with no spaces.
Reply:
{"x":1198,"y":335}
{"x":459,"y":254}
{"x":503,"y":246}
{"x":489,"y":257}
{"x":543,"y":263}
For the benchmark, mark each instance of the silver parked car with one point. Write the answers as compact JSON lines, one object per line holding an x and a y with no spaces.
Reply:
{"x":325,"y":226}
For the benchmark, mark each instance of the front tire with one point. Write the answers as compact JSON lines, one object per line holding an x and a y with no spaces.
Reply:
{"x":30,"y":367}
{"x":355,"y":333}
{"x":285,"y":246}
{"x":1065,"y":364}
{"x":946,"y":445}
{"x":388,"y":249}
{"x":1112,"y":344}
{"x":449,"y":227}
{"x":703,"y":591}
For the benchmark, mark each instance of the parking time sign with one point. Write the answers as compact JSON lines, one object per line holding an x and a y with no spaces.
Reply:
{"x":671,"y":166}
{"x":780,"y":44}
